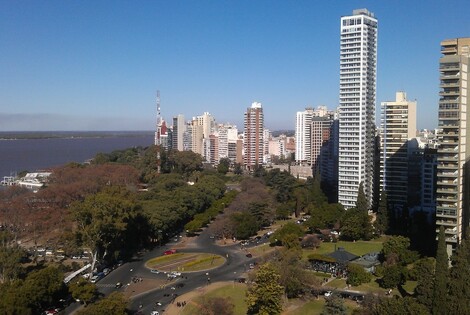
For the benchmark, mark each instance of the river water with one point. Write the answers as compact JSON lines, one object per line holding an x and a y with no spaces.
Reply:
{"x":36,"y":154}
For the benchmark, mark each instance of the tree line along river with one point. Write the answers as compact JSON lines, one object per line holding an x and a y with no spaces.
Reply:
{"x":32,"y":154}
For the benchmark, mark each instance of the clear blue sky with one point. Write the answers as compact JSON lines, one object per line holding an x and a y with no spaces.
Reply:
{"x":96,"y":65}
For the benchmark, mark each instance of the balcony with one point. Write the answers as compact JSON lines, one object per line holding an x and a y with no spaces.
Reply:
{"x":446,"y":222}
{"x":448,"y":199}
{"x":447,"y":174}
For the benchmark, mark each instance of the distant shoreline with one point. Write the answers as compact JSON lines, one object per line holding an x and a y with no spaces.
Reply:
{"x":23,"y":135}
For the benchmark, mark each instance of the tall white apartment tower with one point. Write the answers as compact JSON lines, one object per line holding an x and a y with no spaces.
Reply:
{"x":453,"y":166}
{"x":302,"y":135}
{"x":358,"y":65}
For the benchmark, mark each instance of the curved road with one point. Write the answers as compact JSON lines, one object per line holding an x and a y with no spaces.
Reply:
{"x":235,"y":265}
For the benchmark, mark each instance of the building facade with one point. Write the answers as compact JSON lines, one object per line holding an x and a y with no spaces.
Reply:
{"x":397,"y":127}
{"x":302,"y":135}
{"x":358,"y":64}
{"x":253,"y":144}
{"x":179,"y":129}
{"x":452,"y":170}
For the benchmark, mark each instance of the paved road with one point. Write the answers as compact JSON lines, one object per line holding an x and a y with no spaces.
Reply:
{"x":236,"y":264}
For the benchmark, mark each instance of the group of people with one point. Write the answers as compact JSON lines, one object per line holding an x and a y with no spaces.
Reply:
{"x":334,"y":269}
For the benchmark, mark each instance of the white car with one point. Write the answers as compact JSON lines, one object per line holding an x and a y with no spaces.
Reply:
{"x":155,"y":313}
{"x":328,"y":293}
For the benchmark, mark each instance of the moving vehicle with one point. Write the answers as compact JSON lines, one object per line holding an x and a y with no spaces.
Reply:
{"x":170,"y":252}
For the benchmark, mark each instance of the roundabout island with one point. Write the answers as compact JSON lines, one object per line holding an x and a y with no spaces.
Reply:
{"x":185,"y":262}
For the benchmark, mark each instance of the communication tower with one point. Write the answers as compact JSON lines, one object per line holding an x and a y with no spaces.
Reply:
{"x":158,"y":132}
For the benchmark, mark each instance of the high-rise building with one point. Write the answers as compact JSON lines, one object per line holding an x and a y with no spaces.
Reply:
{"x":452,"y":208}
{"x":207,"y":121}
{"x":303,"y":132}
{"x":358,"y":64}
{"x":179,"y":128}
{"x":197,"y":137}
{"x":253,"y":137}
{"x":397,"y":126}
{"x":422,"y":178}
{"x":302,"y":135}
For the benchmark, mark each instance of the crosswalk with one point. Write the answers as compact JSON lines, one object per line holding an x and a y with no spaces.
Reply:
{"x":105,"y":285}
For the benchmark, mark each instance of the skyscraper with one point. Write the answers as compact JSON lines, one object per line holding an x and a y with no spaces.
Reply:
{"x":179,"y":129}
{"x":397,"y":126}
{"x":453,"y":189}
{"x":303,"y":132}
{"x":303,"y":124}
{"x":253,"y":138}
{"x":358,"y":64}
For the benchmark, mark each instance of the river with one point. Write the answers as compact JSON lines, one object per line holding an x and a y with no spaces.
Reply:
{"x":28,"y":154}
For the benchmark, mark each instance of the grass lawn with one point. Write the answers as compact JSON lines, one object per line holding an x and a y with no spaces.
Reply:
{"x":185,"y":262}
{"x":314,"y":307}
{"x":162,"y":259}
{"x":410,"y":286}
{"x":372,"y":287}
{"x":358,"y":248}
{"x":337,"y":283}
{"x":236,"y":292}
{"x":261,"y":250}
{"x":309,"y":307}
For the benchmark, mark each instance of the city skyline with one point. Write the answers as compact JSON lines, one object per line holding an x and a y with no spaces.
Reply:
{"x":88,"y":66}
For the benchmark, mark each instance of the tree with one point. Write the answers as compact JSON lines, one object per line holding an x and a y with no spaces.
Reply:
{"x":295,"y":279}
{"x":310,"y":241}
{"x":245,"y":225}
{"x":43,"y":287}
{"x":82,"y":290}
{"x":103,"y":220}
{"x":400,"y":306}
{"x":285,"y":233}
{"x":361,"y":203}
{"x":357,"y":275}
{"x":393,"y":277}
{"x":237,"y":169}
{"x":381,"y":222}
{"x":183,"y":162}
{"x":356,"y":225}
{"x":115,"y":303}
{"x":264,"y":297}
{"x":223,"y":166}
{"x":423,"y":273}
{"x":13,"y":299}
{"x":284,"y":210}
{"x":10,"y":257}
{"x":440,"y":305}
{"x":396,"y":248}
{"x":317,"y":195}
{"x":326,"y":216}
{"x":334,"y":306}
{"x":261,"y":211}
{"x":459,"y":290}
